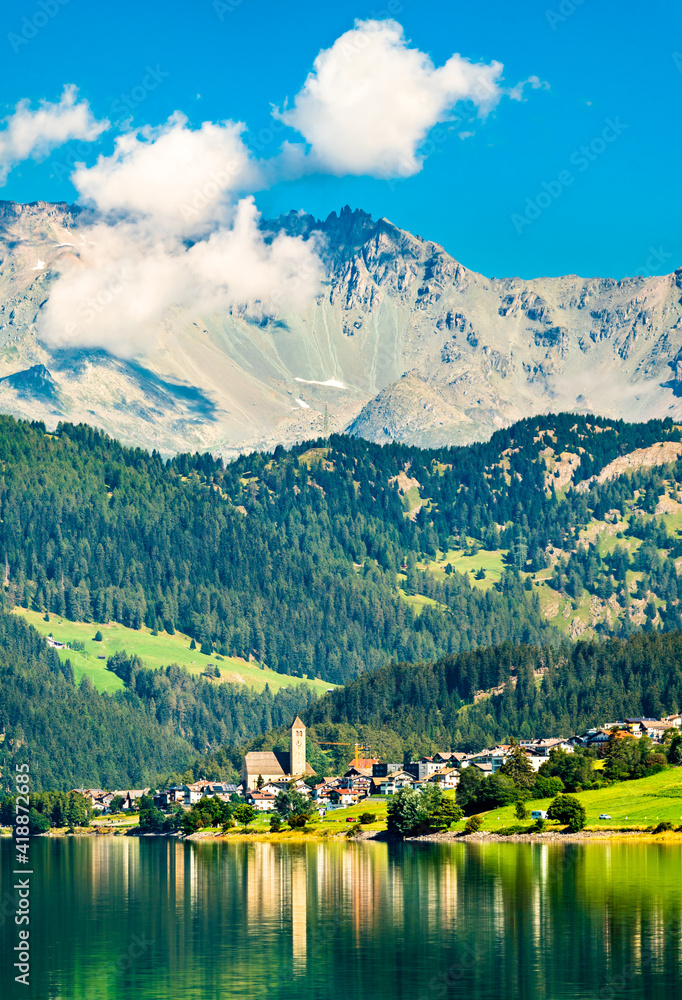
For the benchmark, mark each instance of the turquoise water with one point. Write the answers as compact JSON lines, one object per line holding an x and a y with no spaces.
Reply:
{"x":151,"y":918}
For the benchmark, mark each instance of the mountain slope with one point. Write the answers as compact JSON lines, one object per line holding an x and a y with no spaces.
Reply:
{"x":328,"y":559}
{"x":480,"y":353}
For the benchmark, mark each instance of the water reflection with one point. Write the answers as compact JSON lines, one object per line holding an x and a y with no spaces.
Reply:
{"x":117,"y":917}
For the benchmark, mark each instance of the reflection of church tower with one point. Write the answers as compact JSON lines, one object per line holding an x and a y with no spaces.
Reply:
{"x":297,"y":747}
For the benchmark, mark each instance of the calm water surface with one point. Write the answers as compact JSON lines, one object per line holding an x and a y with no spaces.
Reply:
{"x":118,"y":918}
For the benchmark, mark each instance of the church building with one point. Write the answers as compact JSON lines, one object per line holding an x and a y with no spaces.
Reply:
{"x":275,"y":765}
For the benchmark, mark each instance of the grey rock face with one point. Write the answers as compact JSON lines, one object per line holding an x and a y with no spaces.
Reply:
{"x":403,"y":343}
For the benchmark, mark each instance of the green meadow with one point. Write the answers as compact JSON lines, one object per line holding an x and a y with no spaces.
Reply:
{"x":631,"y":805}
{"x":154,"y":651}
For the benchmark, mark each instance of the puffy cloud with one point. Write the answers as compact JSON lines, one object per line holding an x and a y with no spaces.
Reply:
{"x":174,"y":233}
{"x":370,"y":100}
{"x":179,"y":178}
{"x":137,"y":264}
{"x":128,"y":276}
{"x":30,"y":134}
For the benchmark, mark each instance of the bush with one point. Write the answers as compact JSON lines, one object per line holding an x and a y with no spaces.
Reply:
{"x":520,"y":809}
{"x":275,"y":824}
{"x":538,"y":826}
{"x":447,"y":813}
{"x":98,"y":636}
{"x":244,"y":814}
{"x":547,"y":788}
{"x":37,"y":822}
{"x":405,"y":812}
{"x":569,"y":810}
{"x":664,"y":827}
{"x":473,"y":824}
{"x":368,"y":818}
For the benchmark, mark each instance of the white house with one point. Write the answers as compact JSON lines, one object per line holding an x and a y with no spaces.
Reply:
{"x":261,"y":801}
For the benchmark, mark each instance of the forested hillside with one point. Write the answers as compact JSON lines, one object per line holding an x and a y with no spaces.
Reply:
{"x":546,"y":691}
{"x":404,"y":710}
{"x":319,"y":560}
{"x":74,"y":736}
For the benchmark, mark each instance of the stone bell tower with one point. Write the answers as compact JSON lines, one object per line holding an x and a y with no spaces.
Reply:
{"x":297,"y":747}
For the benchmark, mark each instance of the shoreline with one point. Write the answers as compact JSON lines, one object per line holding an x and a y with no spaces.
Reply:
{"x":548,"y":837}
{"x":380,"y":836}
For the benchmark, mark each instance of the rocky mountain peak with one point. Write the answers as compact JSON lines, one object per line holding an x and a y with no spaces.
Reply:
{"x":480,"y":353}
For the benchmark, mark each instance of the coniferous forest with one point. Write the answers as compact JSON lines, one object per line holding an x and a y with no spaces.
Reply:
{"x":316,"y":561}
{"x":293,"y":557}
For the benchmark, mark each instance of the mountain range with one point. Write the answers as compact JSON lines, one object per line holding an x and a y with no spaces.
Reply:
{"x":403,"y":343}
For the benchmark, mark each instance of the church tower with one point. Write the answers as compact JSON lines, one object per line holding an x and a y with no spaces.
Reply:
{"x":297,"y":747}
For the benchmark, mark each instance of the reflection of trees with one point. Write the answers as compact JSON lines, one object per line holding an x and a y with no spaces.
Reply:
{"x":368,"y":920}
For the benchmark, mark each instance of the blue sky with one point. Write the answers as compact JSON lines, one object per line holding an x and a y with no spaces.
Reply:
{"x":517,"y":197}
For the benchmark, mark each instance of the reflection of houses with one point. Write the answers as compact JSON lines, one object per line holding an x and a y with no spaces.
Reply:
{"x":278,"y":765}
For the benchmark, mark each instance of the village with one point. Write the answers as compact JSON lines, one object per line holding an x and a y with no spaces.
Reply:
{"x":267,"y":773}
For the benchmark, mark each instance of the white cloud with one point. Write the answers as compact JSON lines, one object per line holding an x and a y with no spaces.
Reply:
{"x":370,"y":100}
{"x":176,"y":235}
{"x":534,"y":82}
{"x":129,"y":276}
{"x":160,"y":187}
{"x":30,"y":134}
{"x":180,"y":178}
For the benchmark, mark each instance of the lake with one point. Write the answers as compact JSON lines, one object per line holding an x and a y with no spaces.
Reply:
{"x":151,"y":918}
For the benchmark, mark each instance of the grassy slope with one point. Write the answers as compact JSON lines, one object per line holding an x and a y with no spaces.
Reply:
{"x":631,"y":804}
{"x":154,"y":651}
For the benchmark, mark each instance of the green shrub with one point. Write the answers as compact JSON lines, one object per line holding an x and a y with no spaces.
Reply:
{"x":98,"y":636}
{"x":569,"y":810}
{"x":664,"y":827}
{"x":547,"y":788}
{"x":473,"y":824}
{"x":275,"y":824}
{"x":368,"y":818}
{"x":520,"y":809}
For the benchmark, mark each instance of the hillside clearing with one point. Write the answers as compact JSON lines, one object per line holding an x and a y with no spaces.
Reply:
{"x":154,"y":650}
